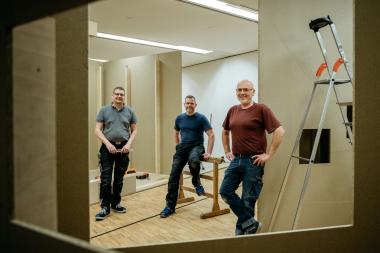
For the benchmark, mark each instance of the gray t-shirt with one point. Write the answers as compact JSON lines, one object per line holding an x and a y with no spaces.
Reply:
{"x":116,"y":124}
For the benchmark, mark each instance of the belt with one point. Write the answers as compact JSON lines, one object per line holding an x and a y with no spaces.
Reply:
{"x":246,"y":155}
{"x":118,"y":142}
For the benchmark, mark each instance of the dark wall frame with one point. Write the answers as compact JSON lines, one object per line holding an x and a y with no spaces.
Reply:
{"x":363,"y":237}
{"x":15,"y":13}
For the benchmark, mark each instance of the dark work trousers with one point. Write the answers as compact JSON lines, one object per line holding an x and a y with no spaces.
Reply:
{"x":118,"y":163}
{"x":184,"y":153}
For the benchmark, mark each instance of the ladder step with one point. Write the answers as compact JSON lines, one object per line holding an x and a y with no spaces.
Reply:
{"x":301,"y":158}
{"x":344,"y":103}
{"x":347,"y":123}
{"x":336,"y":82}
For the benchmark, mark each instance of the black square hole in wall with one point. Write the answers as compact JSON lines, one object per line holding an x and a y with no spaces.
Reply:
{"x":306,"y":146}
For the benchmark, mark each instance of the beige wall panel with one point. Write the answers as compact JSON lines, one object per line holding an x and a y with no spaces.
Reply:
{"x":157,"y":115}
{"x":34,"y":123}
{"x":72,"y":122}
{"x":113,"y":76}
{"x":95,"y":74}
{"x":142,"y":75}
{"x":142,"y":101}
{"x":171,"y":104}
{"x":289,"y":57}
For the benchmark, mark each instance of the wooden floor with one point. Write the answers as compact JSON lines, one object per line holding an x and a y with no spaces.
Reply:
{"x":142,"y":224}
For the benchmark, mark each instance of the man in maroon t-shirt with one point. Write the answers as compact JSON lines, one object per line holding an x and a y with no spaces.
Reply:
{"x":247,"y":123}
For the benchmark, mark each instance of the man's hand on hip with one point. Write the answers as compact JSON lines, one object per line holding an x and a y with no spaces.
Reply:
{"x":260,"y":160}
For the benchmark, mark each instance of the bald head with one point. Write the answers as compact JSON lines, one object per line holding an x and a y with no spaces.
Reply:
{"x":245,"y":83}
{"x":245,"y":92}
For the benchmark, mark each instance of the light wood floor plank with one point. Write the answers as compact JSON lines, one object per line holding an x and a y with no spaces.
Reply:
{"x":142,"y":224}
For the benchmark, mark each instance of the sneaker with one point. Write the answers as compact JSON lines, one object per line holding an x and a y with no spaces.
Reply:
{"x":253,"y":229}
{"x":239,"y":231}
{"x":102,"y":214}
{"x":166,"y":212}
{"x":118,"y":208}
{"x":200,"y":190}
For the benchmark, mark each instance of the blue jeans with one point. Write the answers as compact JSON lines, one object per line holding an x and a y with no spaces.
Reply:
{"x":242,"y":169}
{"x":107,"y":162}
{"x":185,"y":153}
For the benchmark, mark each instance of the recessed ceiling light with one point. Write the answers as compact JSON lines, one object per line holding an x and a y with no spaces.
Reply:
{"x":151,"y":43}
{"x":232,"y":9}
{"x":97,"y":60}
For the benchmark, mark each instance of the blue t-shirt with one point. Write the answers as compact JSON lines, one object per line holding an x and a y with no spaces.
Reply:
{"x":192,"y":127}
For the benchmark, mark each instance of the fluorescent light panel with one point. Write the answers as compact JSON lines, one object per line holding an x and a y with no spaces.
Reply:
{"x":227,"y":8}
{"x":152,"y":43}
{"x":98,"y":60}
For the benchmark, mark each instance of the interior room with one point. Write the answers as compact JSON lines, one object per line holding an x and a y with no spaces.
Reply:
{"x":211,"y":77}
{"x":156,"y":81}
{"x":58,"y":85}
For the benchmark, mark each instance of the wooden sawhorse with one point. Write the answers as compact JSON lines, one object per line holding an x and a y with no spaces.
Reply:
{"x":215,"y":211}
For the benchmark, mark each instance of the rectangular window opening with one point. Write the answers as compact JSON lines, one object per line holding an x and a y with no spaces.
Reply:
{"x":307,"y":142}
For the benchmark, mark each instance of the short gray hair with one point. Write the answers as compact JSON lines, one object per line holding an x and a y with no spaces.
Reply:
{"x":190,"y":97}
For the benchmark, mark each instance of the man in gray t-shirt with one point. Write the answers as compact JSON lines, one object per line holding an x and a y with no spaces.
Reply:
{"x":116,"y":128}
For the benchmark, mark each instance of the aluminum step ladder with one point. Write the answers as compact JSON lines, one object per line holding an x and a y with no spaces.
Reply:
{"x":332,"y":82}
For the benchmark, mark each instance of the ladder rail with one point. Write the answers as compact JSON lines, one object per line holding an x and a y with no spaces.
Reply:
{"x":314,"y":151}
{"x":301,"y":199}
{"x":334,"y":31}
{"x":344,"y":117}
{"x":303,"y":122}
{"x":347,"y":67}
{"x":345,"y":61}
{"x":324,"y":51}
{"x":341,"y":51}
{"x":287,"y":172}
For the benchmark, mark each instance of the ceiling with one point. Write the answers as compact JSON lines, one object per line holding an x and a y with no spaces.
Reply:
{"x":171,"y":22}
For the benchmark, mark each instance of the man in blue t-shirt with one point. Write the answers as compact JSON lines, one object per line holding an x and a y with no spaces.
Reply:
{"x":189,"y":128}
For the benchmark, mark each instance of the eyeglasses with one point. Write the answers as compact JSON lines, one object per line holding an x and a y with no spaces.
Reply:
{"x":119,"y":94}
{"x":243,"y":90}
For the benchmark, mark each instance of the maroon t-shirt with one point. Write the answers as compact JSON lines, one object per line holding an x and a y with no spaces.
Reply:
{"x":248,"y":127}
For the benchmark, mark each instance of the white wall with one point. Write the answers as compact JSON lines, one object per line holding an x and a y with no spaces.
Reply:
{"x":213,"y":84}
